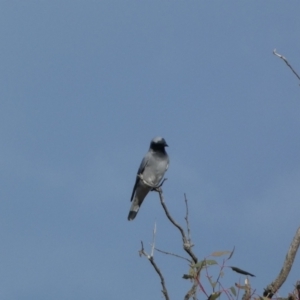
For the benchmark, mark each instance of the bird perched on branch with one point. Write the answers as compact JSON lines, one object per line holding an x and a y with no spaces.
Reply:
{"x":150,"y":173}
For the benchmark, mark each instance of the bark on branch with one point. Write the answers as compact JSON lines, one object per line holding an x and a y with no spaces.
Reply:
{"x":272,"y":288}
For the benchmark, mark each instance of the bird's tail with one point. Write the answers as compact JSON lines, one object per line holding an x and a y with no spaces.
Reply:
{"x":136,"y":204}
{"x":139,"y":196}
{"x":134,"y":209}
{"x":132,"y":214}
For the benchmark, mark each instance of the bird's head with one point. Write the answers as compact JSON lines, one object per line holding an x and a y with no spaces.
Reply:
{"x":158,"y":143}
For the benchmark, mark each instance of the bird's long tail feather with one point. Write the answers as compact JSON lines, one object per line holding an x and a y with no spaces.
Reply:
{"x":139,"y":196}
{"x":132,"y":214}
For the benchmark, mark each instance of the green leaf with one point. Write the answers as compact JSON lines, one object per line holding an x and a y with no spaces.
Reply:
{"x":210,"y":262}
{"x":238,"y":270}
{"x":214,"y":296}
{"x":199,"y":265}
{"x":220,"y":253}
{"x":233,"y":291}
{"x":204,"y":263}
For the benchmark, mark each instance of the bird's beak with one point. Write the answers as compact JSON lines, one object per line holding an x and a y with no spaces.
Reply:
{"x":166,"y":145}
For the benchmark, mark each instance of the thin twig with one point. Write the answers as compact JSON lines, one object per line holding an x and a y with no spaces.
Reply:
{"x":287,"y":265}
{"x":229,"y":296}
{"x":200,"y":285}
{"x":238,"y":291}
{"x":173,"y":254}
{"x":186,"y":245}
{"x":285,"y":60}
{"x":187,"y":219}
{"x":221,"y":269}
{"x":223,"y":266}
{"x":162,"y":280}
{"x":153,"y":240}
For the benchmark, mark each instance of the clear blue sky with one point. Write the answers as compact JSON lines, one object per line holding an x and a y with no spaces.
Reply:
{"x":85,"y":86}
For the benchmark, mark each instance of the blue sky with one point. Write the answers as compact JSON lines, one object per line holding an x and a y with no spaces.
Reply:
{"x":85,"y":86}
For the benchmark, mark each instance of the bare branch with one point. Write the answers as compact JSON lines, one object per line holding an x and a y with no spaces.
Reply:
{"x":187,"y":219}
{"x":143,"y":252}
{"x":287,"y":265}
{"x":221,"y":270}
{"x":192,"y":292}
{"x":173,"y":254}
{"x":162,"y":280}
{"x":285,"y":60}
{"x":229,"y":296}
{"x":186,"y":244}
{"x":199,"y":283}
{"x":153,"y":240}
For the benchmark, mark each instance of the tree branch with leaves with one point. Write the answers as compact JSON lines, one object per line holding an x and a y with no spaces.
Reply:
{"x":197,"y":266}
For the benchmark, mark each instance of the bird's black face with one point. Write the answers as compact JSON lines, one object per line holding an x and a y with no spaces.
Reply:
{"x":158,"y":143}
{"x":163,"y":142}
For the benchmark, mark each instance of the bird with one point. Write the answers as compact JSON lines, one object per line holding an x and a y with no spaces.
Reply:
{"x":150,"y":173}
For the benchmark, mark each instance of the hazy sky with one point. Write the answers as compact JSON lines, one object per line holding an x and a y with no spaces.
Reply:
{"x":85,"y":86}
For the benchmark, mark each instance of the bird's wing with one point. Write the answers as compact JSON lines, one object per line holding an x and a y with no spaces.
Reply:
{"x":140,"y":171}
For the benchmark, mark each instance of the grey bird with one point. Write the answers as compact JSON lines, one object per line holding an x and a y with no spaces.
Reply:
{"x":150,"y":173}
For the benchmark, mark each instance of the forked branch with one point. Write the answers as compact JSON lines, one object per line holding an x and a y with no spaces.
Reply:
{"x":162,"y":280}
{"x":187,"y":246}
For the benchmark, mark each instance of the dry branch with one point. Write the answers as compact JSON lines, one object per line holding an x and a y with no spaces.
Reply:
{"x":192,"y":292}
{"x":162,"y":280}
{"x":173,"y":254}
{"x":285,"y":60}
{"x":272,"y":288}
{"x":187,"y":219}
{"x":187,"y":246}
